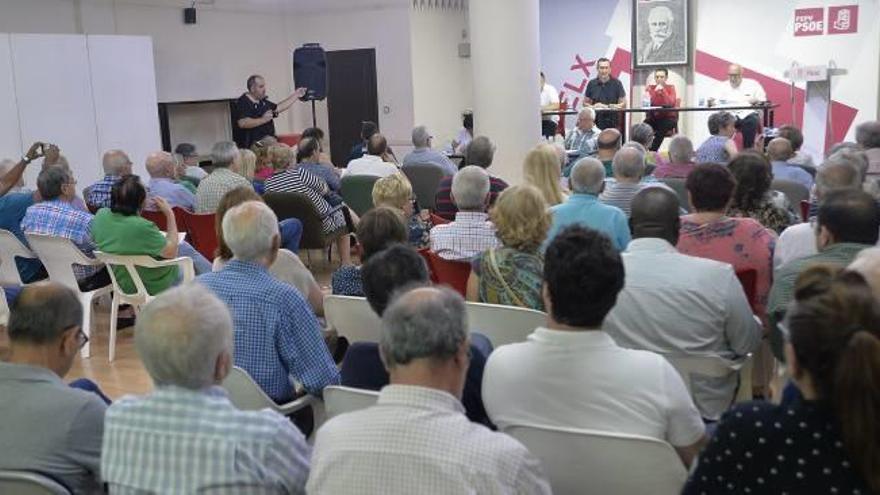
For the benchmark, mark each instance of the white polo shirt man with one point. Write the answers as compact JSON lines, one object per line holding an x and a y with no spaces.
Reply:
{"x":370,"y":165}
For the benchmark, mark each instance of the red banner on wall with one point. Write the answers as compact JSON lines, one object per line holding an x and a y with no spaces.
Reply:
{"x":809,"y":22}
{"x":843,"y":19}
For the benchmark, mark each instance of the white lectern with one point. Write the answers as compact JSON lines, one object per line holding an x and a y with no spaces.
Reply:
{"x":817,"y":103}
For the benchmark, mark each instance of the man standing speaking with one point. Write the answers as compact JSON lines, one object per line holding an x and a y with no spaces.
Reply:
{"x":255,"y":113}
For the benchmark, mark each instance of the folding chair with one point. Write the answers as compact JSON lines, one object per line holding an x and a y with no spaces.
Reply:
{"x":503,"y":324}
{"x":352,"y":318}
{"x":452,"y":273}
{"x":339,"y":400}
{"x":201,"y":230}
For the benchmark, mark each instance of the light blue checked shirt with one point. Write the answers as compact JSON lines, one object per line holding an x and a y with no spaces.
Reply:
{"x":276,"y":334}
{"x":180,"y":441}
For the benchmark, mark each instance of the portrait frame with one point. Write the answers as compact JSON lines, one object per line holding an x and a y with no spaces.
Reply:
{"x":652,"y":46}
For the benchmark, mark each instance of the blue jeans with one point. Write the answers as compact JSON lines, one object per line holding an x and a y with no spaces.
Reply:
{"x":200,"y":264}
{"x":90,"y":386}
{"x":291,"y":230}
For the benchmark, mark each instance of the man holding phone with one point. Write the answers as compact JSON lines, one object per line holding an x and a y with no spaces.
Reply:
{"x":10,"y":179}
{"x":254,"y":112}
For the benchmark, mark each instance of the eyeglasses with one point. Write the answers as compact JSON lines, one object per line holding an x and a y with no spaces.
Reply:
{"x":81,"y":338}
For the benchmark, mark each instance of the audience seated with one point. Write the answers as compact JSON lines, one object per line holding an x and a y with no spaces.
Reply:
{"x":289,"y":269}
{"x":423,"y":153}
{"x":571,"y":374}
{"x":584,"y":208}
{"x":226,"y":161}
{"x":798,"y":241}
{"x":480,"y":152}
{"x":541,"y":170}
{"x":279,"y":157}
{"x":629,"y":168}
{"x":121,"y":230}
{"x":190,"y":159}
{"x":681,"y":159}
{"x":186,"y":436}
{"x":753,"y":197}
{"x":276,"y":334}
{"x":116,"y":164}
{"x":868,"y":137}
{"x":867,"y":263}
{"x":13,"y":207}
{"x":48,"y":427}
{"x":848,"y":222}
{"x":247,"y":165}
{"x":510,"y":274}
{"x":374,"y":161}
{"x":825,"y":439}
{"x":333,"y":221}
{"x":465,"y":134}
{"x":471,"y":232}
{"x":780,"y":151}
{"x":678,"y":304}
{"x":162,"y":169}
{"x":308,"y":158}
{"x":416,"y":439}
{"x":318,"y":133}
{"x":719,"y":147}
{"x":56,"y":216}
{"x":582,"y":139}
{"x":796,"y":138}
{"x":394,"y":268}
{"x":379,"y":228}
{"x":607,"y":145}
{"x":395,"y":191}
{"x":368,"y":128}
{"x":709,"y":233}
{"x":643,"y":134}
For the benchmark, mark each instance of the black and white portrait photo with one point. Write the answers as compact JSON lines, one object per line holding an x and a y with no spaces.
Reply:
{"x":660,"y":33}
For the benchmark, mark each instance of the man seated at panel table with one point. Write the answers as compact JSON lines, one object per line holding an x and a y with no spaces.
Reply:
{"x":582,"y":141}
{"x":661,"y":94}
{"x":739,"y":92}
{"x":678,"y":304}
{"x":416,"y":439}
{"x":571,"y":374}
{"x":471,"y":232}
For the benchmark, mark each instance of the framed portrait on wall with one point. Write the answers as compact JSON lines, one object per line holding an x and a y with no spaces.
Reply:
{"x":660,"y":33}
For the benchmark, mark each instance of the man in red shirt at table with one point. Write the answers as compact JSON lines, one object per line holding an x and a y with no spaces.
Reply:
{"x":662,"y":95}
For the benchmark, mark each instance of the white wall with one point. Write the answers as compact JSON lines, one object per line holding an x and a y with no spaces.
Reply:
{"x":442,"y":81}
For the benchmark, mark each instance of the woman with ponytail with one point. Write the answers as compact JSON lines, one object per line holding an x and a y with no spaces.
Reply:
{"x":826,"y":439}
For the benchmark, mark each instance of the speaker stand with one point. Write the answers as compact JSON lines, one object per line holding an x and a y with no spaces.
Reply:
{"x":314,"y":116}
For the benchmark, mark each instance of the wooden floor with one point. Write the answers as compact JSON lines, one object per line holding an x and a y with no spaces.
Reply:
{"x":126,"y":374}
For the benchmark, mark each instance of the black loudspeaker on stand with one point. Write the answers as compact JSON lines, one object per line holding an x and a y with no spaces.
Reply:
{"x":310,"y":72}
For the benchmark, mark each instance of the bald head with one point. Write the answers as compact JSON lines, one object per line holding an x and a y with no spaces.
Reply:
{"x":628,"y":164}
{"x":735,"y":74}
{"x":160,"y":164}
{"x":607,"y":143}
{"x":655,"y":214}
{"x":377,"y":145}
{"x":587,"y":176}
{"x":43,"y":312}
{"x":868,"y":264}
{"x":780,"y":149}
{"x":837,"y":177}
{"x":116,"y":162}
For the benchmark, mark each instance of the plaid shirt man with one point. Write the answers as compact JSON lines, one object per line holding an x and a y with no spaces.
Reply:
{"x":176,"y":440}
{"x":214,"y":186}
{"x":99,"y":194}
{"x":61,"y":219}
{"x":469,"y":235}
{"x":276,"y":333}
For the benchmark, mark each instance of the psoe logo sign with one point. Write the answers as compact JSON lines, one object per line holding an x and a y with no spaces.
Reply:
{"x":809,"y":22}
{"x":843,"y":19}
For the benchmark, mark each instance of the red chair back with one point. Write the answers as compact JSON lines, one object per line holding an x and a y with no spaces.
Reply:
{"x":424,"y":253}
{"x":289,"y":139}
{"x":438,"y":220}
{"x":200,"y":227}
{"x":749,"y":280}
{"x":156,"y":217}
{"x":563,"y":106}
{"x":805,"y":209}
{"x":452,"y":273}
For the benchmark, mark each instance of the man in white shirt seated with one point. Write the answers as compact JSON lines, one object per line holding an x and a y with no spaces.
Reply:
{"x":471,"y":233}
{"x":779,"y":150}
{"x":373,"y":162}
{"x":423,"y":153}
{"x":739,"y":92}
{"x":549,"y":103}
{"x":416,"y":439}
{"x":799,"y":241}
{"x":186,"y":436}
{"x":678,"y":304}
{"x":571,"y":374}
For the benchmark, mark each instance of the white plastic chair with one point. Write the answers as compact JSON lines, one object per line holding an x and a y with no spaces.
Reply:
{"x":4,"y":308}
{"x":10,"y":248}
{"x":589,"y":461}
{"x":58,"y":254}
{"x":27,"y":483}
{"x":352,"y":318}
{"x":714,"y":367}
{"x":339,"y":400}
{"x":140,"y":297}
{"x":503,"y":324}
{"x":247,"y":395}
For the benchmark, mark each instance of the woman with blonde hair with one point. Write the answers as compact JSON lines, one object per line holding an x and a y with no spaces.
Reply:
{"x":512,"y":274}
{"x":395,"y":191}
{"x":541,"y":169}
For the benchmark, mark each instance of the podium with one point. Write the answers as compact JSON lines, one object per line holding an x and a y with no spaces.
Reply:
{"x":817,"y":103}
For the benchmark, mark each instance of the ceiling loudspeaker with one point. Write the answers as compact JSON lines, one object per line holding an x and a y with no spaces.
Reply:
{"x":189,"y":15}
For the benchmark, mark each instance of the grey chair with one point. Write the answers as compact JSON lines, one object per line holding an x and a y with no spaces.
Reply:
{"x":357,"y":192}
{"x":794,"y":191}
{"x":677,"y":185}
{"x":425,"y":179}
{"x":28,"y":483}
